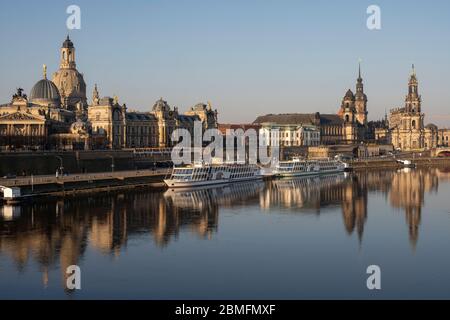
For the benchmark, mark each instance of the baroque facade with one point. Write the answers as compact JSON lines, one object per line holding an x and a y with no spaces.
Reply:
{"x":407,"y":124}
{"x":406,"y":128}
{"x":57,"y":115}
{"x":348,"y":126}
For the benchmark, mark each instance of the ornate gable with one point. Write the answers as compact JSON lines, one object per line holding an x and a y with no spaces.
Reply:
{"x":19,"y":116}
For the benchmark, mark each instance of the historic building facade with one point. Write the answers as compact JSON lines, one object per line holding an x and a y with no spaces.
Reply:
{"x":23,"y":122}
{"x":57,"y":115}
{"x":289,"y":130}
{"x":407,"y":124}
{"x":348,"y":126}
{"x":37,"y":121}
{"x":406,"y":129}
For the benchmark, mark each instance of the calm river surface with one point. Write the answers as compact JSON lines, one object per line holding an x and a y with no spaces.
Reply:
{"x":283,"y":239}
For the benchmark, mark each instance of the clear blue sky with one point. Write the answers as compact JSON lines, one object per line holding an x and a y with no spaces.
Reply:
{"x":246,"y":57}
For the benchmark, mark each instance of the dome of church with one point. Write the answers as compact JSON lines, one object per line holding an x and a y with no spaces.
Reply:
{"x":68,"y":80}
{"x":71,"y":85}
{"x":45,"y":93}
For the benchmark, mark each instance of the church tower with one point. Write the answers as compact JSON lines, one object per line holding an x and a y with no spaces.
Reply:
{"x":413,"y":100}
{"x":413,"y":118}
{"x":67,"y":55}
{"x":360,"y":100}
{"x":69,"y":81}
{"x":407,"y":124}
{"x":348,"y":114}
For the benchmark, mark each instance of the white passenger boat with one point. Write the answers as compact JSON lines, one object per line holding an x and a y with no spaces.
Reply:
{"x":331,"y":166}
{"x":212,"y":174}
{"x":296,"y":167}
{"x":302,"y":167}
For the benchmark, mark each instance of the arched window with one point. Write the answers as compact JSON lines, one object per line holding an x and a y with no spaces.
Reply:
{"x":413,"y":124}
{"x":347,"y":118}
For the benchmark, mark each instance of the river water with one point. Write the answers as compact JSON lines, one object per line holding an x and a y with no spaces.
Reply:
{"x":282,"y":239}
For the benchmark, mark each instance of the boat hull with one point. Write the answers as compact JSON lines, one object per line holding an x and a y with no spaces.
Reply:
{"x":172,"y":184}
{"x":297,"y":174}
{"x":332,"y":171}
{"x":310,"y":173}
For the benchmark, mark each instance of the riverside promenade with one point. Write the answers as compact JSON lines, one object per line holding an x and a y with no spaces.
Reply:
{"x":380,"y":163}
{"x":61,"y":185}
{"x":81,"y":177}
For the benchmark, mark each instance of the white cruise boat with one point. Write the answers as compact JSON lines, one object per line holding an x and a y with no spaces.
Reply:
{"x":296,"y":167}
{"x":212,"y":174}
{"x":301,"y":167}
{"x":331,"y":166}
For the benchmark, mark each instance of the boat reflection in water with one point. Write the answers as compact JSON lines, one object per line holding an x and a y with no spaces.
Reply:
{"x":210,"y":197}
{"x":56,"y":233}
{"x":303,"y":192}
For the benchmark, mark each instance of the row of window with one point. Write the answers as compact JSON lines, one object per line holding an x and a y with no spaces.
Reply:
{"x":335,"y":130}
{"x":242,"y":175}
{"x":305,"y":143}
{"x":141,"y":130}
{"x":288,"y":134}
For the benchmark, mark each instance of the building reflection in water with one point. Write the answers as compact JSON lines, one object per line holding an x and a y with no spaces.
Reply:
{"x":314,"y":194}
{"x":58,"y":232}
{"x":408,"y":188}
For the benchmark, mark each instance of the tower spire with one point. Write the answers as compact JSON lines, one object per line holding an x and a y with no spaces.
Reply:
{"x":95,"y":95}
{"x":44,"y":71}
{"x":359,"y":68}
{"x":360,"y":98}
